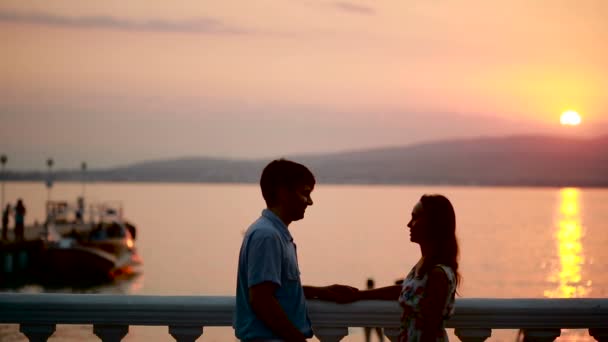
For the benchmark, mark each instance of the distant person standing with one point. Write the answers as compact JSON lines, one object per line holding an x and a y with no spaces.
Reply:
{"x":19,"y":220}
{"x":5,"y":215}
{"x":368,"y":330}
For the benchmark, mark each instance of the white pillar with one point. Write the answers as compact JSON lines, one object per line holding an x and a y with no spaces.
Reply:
{"x":185,"y":333}
{"x":110,"y":332}
{"x":473,"y":334}
{"x":331,"y":334}
{"x":600,"y":334}
{"x":541,"y":335}
{"x":37,"y":332}
{"x":392,"y":334}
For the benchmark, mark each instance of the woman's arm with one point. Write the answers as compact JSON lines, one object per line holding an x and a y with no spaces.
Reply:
{"x":382,"y":293}
{"x":433,"y":304}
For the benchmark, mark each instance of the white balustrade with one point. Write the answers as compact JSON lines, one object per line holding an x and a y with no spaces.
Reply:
{"x":186,"y":316}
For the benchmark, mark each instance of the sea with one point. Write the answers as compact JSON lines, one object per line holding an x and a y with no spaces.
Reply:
{"x":515,"y":242}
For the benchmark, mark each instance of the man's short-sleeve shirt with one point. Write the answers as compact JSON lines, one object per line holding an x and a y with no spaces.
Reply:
{"x":268,"y":254}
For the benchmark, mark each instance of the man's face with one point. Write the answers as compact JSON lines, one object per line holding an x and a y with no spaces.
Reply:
{"x":296,"y":201}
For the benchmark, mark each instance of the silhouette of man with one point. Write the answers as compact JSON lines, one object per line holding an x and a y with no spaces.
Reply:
{"x":270,"y":298}
{"x":367,"y":330}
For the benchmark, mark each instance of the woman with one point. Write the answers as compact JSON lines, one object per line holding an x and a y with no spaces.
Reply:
{"x":427,"y":292}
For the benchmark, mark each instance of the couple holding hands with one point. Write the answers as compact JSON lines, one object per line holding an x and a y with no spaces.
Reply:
{"x":270,"y":298}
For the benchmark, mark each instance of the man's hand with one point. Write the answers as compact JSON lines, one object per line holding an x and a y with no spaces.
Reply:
{"x":342,"y":293}
{"x":335,"y":293}
{"x":268,"y":310}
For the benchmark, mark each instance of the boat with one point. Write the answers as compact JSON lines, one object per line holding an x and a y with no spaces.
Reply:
{"x":98,"y":250}
{"x":68,"y":218}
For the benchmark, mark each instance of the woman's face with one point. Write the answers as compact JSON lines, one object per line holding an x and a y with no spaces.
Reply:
{"x":418,"y":224}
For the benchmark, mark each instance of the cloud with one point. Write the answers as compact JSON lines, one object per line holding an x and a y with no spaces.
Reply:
{"x":353,"y":8}
{"x":199,"y":25}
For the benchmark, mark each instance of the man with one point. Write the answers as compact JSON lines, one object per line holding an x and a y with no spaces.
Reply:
{"x":270,"y":298}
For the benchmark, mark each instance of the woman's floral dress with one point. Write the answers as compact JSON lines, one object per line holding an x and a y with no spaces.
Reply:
{"x":412,"y":292}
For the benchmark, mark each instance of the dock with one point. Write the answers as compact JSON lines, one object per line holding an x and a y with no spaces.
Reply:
{"x":20,"y":260}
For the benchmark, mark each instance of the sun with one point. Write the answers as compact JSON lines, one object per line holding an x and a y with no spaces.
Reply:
{"x":570,"y":118}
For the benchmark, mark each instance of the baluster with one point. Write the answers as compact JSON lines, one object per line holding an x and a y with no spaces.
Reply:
{"x":110,"y":332}
{"x":473,"y":334}
{"x":37,"y":332}
{"x":331,"y":334}
{"x":600,"y":334}
{"x":541,"y":335}
{"x":185,"y":333}
{"x":392,"y":334}
{"x":8,"y":262}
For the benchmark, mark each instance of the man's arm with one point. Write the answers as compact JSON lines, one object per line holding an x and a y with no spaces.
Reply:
{"x":335,"y":293}
{"x":268,"y":310}
{"x":382,"y":293}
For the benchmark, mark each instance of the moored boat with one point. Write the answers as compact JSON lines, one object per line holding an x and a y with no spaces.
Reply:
{"x":99,"y":250}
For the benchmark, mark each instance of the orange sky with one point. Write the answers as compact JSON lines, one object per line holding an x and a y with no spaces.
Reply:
{"x":268,"y":78}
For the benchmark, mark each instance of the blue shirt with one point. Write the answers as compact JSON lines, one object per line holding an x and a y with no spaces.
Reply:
{"x":269,"y":254}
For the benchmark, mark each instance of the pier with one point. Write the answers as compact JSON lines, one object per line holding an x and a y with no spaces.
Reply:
{"x":19,"y":260}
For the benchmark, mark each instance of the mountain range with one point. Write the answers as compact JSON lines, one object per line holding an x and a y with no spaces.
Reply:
{"x":524,"y":160}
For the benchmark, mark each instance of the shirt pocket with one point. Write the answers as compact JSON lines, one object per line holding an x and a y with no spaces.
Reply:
{"x":290,"y":279}
{"x":291,"y":272}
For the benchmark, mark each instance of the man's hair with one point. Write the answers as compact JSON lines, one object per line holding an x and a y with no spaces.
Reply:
{"x":283,"y":173}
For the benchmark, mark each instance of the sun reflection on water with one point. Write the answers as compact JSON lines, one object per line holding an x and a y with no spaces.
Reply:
{"x":567,"y":275}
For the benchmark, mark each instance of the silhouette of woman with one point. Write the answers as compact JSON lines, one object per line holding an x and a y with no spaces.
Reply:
{"x":427,"y":292}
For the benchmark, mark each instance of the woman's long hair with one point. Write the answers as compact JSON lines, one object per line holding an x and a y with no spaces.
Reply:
{"x":441,"y":219}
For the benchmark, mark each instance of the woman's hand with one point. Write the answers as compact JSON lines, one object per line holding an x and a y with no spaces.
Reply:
{"x":341,"y":293}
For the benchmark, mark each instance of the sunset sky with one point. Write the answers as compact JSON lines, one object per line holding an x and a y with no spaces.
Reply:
{"x":114,"y":82}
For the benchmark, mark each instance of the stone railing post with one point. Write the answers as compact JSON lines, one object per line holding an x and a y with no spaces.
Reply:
{"x":473,"y":334}
{"x":110,"y":332}
{"x":331,"y":334}
{"x":185,"y":333}
{"x":541,"y":335}
{"x":392,"y":334}
{"x":37,"y":332}
{"x":600,"y":335}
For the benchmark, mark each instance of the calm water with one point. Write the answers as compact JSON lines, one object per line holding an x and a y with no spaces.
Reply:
{"x":515,"y":242}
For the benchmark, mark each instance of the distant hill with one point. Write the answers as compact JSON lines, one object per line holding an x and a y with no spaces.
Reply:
{"x":512,"y":161}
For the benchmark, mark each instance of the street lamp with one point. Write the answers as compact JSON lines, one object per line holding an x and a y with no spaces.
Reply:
{"x":49,"y":181}
{"x":83,"y":167}
{"x":3,"y":160}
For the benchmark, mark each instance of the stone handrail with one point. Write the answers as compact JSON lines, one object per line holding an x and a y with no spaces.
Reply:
{"x":185,"y":316}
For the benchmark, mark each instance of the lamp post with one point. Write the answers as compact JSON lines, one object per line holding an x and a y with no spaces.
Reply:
{"x":3,"y":160}
{"x":83,"y":167}
{"x":49,"y":181}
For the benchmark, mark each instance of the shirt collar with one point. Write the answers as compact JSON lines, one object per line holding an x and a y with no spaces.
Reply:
{"x":277,"y":223}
